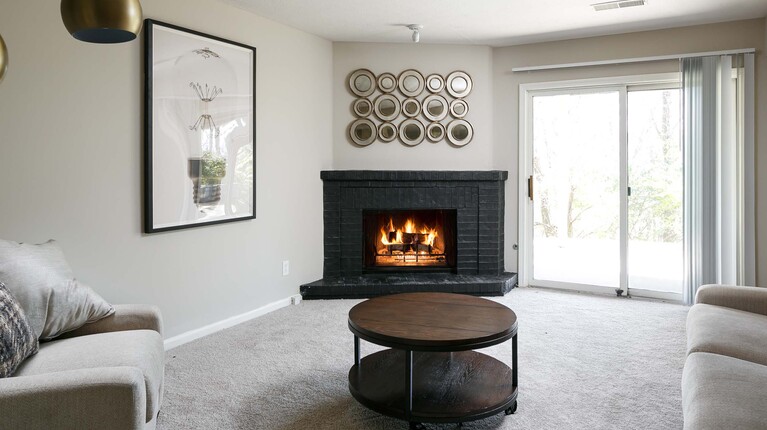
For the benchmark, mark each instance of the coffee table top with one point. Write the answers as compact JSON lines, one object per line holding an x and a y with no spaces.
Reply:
{"x":432,"y":322}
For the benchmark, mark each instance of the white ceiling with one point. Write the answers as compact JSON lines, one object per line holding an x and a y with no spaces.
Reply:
{"x":490,"y":22}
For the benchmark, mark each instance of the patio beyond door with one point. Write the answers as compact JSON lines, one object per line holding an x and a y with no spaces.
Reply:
{"x":606,"y":189}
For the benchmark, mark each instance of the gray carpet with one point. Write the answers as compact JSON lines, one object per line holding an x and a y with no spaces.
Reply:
{"x":586,"y":362}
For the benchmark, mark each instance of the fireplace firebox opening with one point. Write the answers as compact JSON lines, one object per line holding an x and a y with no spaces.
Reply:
{"x":410,"y":240}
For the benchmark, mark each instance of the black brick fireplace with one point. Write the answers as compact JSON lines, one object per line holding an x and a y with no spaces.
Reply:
{"x":388,"y":232}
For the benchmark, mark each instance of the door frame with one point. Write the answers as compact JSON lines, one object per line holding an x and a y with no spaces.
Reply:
{"x":525,"y":206}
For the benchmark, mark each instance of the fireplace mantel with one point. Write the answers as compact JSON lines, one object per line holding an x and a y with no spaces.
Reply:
{"x":414,"y":175}
{"x":477,"y":198}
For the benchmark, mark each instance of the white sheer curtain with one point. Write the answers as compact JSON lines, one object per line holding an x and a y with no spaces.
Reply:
{"x":718,"y":165}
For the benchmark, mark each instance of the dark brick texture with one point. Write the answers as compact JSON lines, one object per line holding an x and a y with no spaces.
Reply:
{"x":477,"y":197}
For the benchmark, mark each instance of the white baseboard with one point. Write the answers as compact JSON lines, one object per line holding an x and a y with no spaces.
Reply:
{"x":191,"y":335}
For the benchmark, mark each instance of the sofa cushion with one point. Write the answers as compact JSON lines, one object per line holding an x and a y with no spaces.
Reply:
{"x":17,"y":340}
{"x":142,"y":349}
{"x":726,"y":331}
{"x":720,"y":392}
{"x":41,"y":280}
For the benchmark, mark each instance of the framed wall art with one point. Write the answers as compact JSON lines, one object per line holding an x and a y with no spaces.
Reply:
{"x":200,"y":111}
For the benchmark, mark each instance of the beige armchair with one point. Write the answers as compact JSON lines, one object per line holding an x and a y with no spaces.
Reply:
{"x":724,"y":383}
{"x":104,"y":375}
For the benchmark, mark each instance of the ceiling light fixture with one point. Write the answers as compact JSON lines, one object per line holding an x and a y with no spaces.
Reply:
{"x":102,"y":21}
{"x":617,"y":4}
{"x":416,"y":29}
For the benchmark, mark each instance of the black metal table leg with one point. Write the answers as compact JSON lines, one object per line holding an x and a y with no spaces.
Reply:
{"x":514,"y":360}
{"x":408,"y":383}
{"x":357,"y":351}
{"x":513,"y":408}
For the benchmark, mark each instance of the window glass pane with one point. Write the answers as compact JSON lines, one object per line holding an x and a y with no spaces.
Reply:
{"x":576,"y":171}
{"x":656,"y":250}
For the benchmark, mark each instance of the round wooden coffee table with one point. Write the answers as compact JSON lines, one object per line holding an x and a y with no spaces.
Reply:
{"x":431,"y":374}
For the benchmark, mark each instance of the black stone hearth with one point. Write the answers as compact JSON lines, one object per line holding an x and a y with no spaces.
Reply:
{"x":371,"y":285}
{"x":477,"y":199}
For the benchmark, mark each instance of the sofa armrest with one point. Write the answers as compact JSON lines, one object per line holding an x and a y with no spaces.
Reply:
{"x":749,"y":299}
{"x":108,"y":397}
{"x":125,"y":317}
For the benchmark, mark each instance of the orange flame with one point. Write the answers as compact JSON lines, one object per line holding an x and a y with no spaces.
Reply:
{"x":431,"y":234}
{"x":428,"y":234}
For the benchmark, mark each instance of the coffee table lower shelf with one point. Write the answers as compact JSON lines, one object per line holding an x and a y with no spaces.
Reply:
{"x":447,"y":386}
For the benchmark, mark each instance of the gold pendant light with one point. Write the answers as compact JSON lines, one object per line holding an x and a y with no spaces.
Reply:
{"x":3,"y":58}
{"x":102,"y":21}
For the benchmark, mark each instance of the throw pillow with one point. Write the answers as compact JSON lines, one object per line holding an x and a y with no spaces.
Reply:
{"x":17,"y":340}
{"x":40,"y":279}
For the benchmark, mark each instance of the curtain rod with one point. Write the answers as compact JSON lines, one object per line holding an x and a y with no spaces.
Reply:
{"x":632,"y":60}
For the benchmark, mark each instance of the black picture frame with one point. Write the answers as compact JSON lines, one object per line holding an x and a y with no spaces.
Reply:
{"x":204,"y":196}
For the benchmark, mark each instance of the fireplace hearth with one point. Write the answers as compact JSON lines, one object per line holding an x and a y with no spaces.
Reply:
{"x":389,"y":232}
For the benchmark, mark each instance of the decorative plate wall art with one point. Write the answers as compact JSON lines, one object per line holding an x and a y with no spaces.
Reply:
{"x":410,"y":107}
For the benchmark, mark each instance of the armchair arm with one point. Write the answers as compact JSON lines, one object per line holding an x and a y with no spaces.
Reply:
{"x":749,"y":299}
{"x":125,"y":317}
{"x":109,"y":397}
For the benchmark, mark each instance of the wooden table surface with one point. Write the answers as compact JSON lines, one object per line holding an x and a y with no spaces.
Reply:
{"x":432,"y":321}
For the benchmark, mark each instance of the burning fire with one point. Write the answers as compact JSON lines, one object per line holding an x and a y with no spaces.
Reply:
{"x":413,"y":241}
{"x":394,"y":236}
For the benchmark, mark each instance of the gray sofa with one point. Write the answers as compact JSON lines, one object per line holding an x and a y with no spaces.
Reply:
{"x":724,"y":383}
{"x":104,"y":375}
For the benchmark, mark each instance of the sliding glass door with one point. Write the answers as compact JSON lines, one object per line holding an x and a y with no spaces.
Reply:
{"x":605,"y":189}
{"x":576,"y":177}
{"x":655,"y":232}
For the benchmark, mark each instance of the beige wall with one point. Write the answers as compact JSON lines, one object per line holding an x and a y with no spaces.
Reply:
{"x":427,"y":59}
{"x":70,"y":146}
{"x":733,"y":35}
{"x":70,"y":163}
{"x":761,"y":164}
{"x":494,"y":102}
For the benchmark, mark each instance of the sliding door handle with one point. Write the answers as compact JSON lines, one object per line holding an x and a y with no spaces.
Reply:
{"x":530,"y":187}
